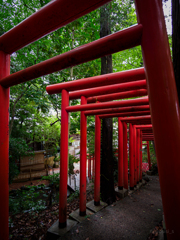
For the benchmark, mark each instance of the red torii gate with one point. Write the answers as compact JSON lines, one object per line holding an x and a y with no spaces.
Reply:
{"x":108,"y":97}
{"x":133,"y":153}
{"x":64,"y":88}
{"x":150,"y":33}
{"x":146,"y":129}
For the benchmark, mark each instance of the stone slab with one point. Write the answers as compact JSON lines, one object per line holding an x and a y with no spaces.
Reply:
{"x":75,"y":215}
{"x":54,"y":232}
{"x":121,"y":193}
{"x":90,"y":205}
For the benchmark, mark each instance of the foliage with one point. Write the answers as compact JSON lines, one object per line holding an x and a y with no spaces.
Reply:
{"x":91,"y":140}
{"x":72,"y":160}
{"x":17,"y":149}
{"x":28,"y":98}
{"x":54,"y":179}
{"x":27,"y":200}
{"x":152,"y":154}
{"x":73,"y":196}
{"x":154,"y":167}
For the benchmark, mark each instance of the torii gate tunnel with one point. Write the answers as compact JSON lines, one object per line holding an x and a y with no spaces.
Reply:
{"x":160,"y":108}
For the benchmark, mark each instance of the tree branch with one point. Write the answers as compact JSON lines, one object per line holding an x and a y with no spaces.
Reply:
{"x":59,"y":119}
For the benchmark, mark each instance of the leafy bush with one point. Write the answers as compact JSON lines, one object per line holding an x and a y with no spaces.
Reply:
{"x":73,"y":196}
{"x":28,"y":200}
{"x":54,"y":179}
{"x":72,"y":160}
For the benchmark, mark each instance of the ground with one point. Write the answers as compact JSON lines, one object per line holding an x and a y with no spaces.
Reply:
{"x":34,"y":226}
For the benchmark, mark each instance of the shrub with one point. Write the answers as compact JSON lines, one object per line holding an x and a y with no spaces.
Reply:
{"x":26,"y":200}
{"x":72,"y":160}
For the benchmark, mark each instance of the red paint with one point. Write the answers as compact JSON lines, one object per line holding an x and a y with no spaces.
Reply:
{"x":115,"y":88}
{"x":120,"y":156}
{"x":131,"y":155}
{"x":98,"y":81}
{"x":104,"y":46}
{"x":93,"y":157}
{"x":4,"y":148}
{"x":123,"y":103}
{"x":164,"y":108}
{"x":118,"y":110}
{"x":45,"y":21}
{"x":140,"y":158}
{"x":117,"y":96}
{"x":125,"y":157}
{"x":97,"y":160}
{"x":64,"y":160}
{"x":149,"y":158}
{"x":142,"y":127}
{"x":83,"y":146}
{"x":129,"y":119}
{"x":135,"y":163}
{"x":125,"y":114}
{"x":138,"y":155}
{"x":89,"y":167}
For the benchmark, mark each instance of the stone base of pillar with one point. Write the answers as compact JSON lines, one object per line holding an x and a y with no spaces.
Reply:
{"x":54,"y":232}
{"x":121,"y":193}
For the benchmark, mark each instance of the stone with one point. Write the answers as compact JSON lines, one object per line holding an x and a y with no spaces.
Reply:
{"x":121,"y":193}
{"x":75,"y":215}
{"x":90,"y":205}
{"x":54,"y":232}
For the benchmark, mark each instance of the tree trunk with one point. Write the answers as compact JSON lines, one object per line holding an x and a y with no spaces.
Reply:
{"x":107,"y":172}
{"x":176,"y":42}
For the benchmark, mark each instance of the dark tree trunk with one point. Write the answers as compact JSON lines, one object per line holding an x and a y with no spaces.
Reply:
{"x":176,"y":42}
{"x":107,"y":172}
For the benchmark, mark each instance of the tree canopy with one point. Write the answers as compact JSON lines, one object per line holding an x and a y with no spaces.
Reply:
{"x":31,"y":108}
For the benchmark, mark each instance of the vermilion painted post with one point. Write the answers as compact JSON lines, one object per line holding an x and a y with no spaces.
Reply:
{"x":149,"y":158}
{"x":89,"y":167}
{"x":120,"y":156}
{"x":135,"y":163}
{"x":125,"y":157}
{"x":93,"y":165}
{"x":140,"y":158}
{"x":83,"y":146}
{"x":164,"y":106}
{"x":4,"y":148}
{"x":97,"y":160}
{"x":138,"y":155}
{"x":64,"y":160}
{"x":131,"y":155}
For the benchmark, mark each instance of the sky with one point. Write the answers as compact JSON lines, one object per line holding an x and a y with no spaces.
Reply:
{"x":167,"y":13}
